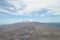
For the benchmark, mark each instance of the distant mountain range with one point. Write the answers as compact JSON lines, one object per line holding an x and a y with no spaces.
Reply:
{"x":30,"y":31}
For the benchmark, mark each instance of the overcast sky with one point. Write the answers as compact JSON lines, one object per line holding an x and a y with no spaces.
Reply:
{"x":12,"y":11}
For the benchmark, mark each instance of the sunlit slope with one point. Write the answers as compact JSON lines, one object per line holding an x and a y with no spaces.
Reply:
{"x":29,"y":31}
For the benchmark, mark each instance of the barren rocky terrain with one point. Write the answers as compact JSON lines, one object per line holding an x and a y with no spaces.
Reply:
{"x":30,"y":31}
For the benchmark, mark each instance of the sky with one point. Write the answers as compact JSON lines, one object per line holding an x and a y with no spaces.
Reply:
{"x":12,"y":11}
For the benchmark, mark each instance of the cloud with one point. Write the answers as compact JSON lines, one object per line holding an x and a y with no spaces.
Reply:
{"x":31,"y":7}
